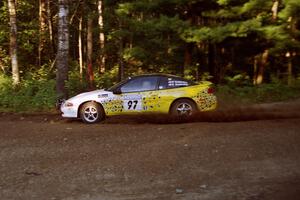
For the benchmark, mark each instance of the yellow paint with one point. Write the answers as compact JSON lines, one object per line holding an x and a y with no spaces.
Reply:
{"x":160,"y":100}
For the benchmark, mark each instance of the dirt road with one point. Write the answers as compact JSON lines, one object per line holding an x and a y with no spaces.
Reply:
{"x":44,"y":157}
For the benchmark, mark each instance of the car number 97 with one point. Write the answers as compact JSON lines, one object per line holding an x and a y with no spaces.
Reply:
{"x":132,"y":104}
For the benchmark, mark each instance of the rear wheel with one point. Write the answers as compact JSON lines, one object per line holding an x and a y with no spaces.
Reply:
{"x":183,"y":108}
{"x":91,"y":112}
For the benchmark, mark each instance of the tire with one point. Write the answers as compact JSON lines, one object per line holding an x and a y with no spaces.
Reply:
{"x":91,"y":112}
{"x":183,"y":108}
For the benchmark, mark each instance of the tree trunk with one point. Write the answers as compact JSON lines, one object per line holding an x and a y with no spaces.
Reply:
{"x":50,"y":29}
{"x":288,"y":55}
{"x":90,"y":52}
{"x":42,"y":31}
{"x":63,"y":49}
{"x":101,"y":37}
{"x":213,"y":64}
{"x":187,"y":57}
{"x":80,"y":47}
{"x":261,"y":67}
{"x":255,"y":63}
{"x":210,"y":60}
{"x":13,"y":41}
{"x":275,"y":10}
{"x":201,"y":60}
{"x":121,"y":62}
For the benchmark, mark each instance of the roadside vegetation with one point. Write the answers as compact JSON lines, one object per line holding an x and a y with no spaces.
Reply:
{"x":265,"y":93}
{"x":239,"y":92}
{"x":39,"y":95}
{"x":248,"y":48}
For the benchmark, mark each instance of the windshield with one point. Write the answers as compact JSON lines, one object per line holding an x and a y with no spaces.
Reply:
{"x":117,"y":85}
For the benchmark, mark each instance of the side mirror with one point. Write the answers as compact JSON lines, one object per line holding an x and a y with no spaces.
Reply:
{"x":117,"y":91}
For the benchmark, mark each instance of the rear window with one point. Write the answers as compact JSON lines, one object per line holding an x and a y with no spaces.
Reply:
{"x":173,"y":82}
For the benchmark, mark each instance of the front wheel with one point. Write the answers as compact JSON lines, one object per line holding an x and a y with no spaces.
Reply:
{"x":91,"y":112}
{"x":183,"y":108}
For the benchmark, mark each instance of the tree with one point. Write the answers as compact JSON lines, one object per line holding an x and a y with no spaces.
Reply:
{"x":197,"y":39}
{"x":101,"y":36}
{"x":43,"y":19}
{"x":150,"y":36}
{"x":63,"y":49}
{"x":90,"y":51}
{"x":50,"y":28}
{"x":80,"y":50}
{"x":13,"y":41}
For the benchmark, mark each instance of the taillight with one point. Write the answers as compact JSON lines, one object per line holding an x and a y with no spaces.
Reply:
{"x":210,"y":90}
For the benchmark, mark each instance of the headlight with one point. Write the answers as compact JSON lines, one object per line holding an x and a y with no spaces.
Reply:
{"x":68,"y":104}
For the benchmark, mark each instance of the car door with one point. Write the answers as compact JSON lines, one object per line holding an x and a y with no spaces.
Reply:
{"x":137,"y":93}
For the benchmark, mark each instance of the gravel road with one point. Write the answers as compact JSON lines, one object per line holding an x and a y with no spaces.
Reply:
{"x":240,"y":155}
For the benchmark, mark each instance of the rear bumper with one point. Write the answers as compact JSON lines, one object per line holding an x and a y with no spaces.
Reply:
{"x":207,"y":104}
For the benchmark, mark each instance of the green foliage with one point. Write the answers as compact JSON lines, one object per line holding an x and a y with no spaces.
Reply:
{"x":4,"y":61}
{"x":4,"y":34}
{"x":155,"y":42}
{"x":219,"y":33}
{"x":205,"y":76}
{"x":255,"y":6}
{"x":27,"y":26}
{"x":78,"y":84}
{"x":3,"y":23}
{"x":135,"y":56}
{"x":31,"y":95}
{"x":107,"y":79}
{"x":291,"y":9}
{"x":264,"y":93}
{"x":238,"y":80}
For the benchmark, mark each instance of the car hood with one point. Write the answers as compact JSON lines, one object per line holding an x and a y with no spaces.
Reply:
{"x":95,"y":94}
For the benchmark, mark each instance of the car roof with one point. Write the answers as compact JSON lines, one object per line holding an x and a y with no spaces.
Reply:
{"x":157,"y":74}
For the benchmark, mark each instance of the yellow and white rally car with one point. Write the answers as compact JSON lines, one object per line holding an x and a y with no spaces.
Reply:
{"x":152,"y":93}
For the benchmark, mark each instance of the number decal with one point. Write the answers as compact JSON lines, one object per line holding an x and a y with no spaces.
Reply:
{"x":129,"y":105}
{"x":132,"y":104}
{"x":135,"y":103}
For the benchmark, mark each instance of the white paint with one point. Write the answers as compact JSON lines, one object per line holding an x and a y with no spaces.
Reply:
{"x":134,"y":105}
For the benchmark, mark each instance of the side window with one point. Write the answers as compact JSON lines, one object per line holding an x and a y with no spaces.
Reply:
{"x":172,"y":82}
{"x":140,"y":84}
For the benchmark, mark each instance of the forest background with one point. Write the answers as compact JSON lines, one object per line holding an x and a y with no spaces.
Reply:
{"x":52,"y":49}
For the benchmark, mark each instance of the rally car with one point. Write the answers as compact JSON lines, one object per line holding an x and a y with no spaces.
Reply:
{"x":152,"y":93}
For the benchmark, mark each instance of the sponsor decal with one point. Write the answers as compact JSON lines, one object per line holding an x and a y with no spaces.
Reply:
{"x":102,"y":95}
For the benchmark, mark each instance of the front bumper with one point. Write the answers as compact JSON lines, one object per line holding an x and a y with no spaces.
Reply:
{"x":68,"y":112}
